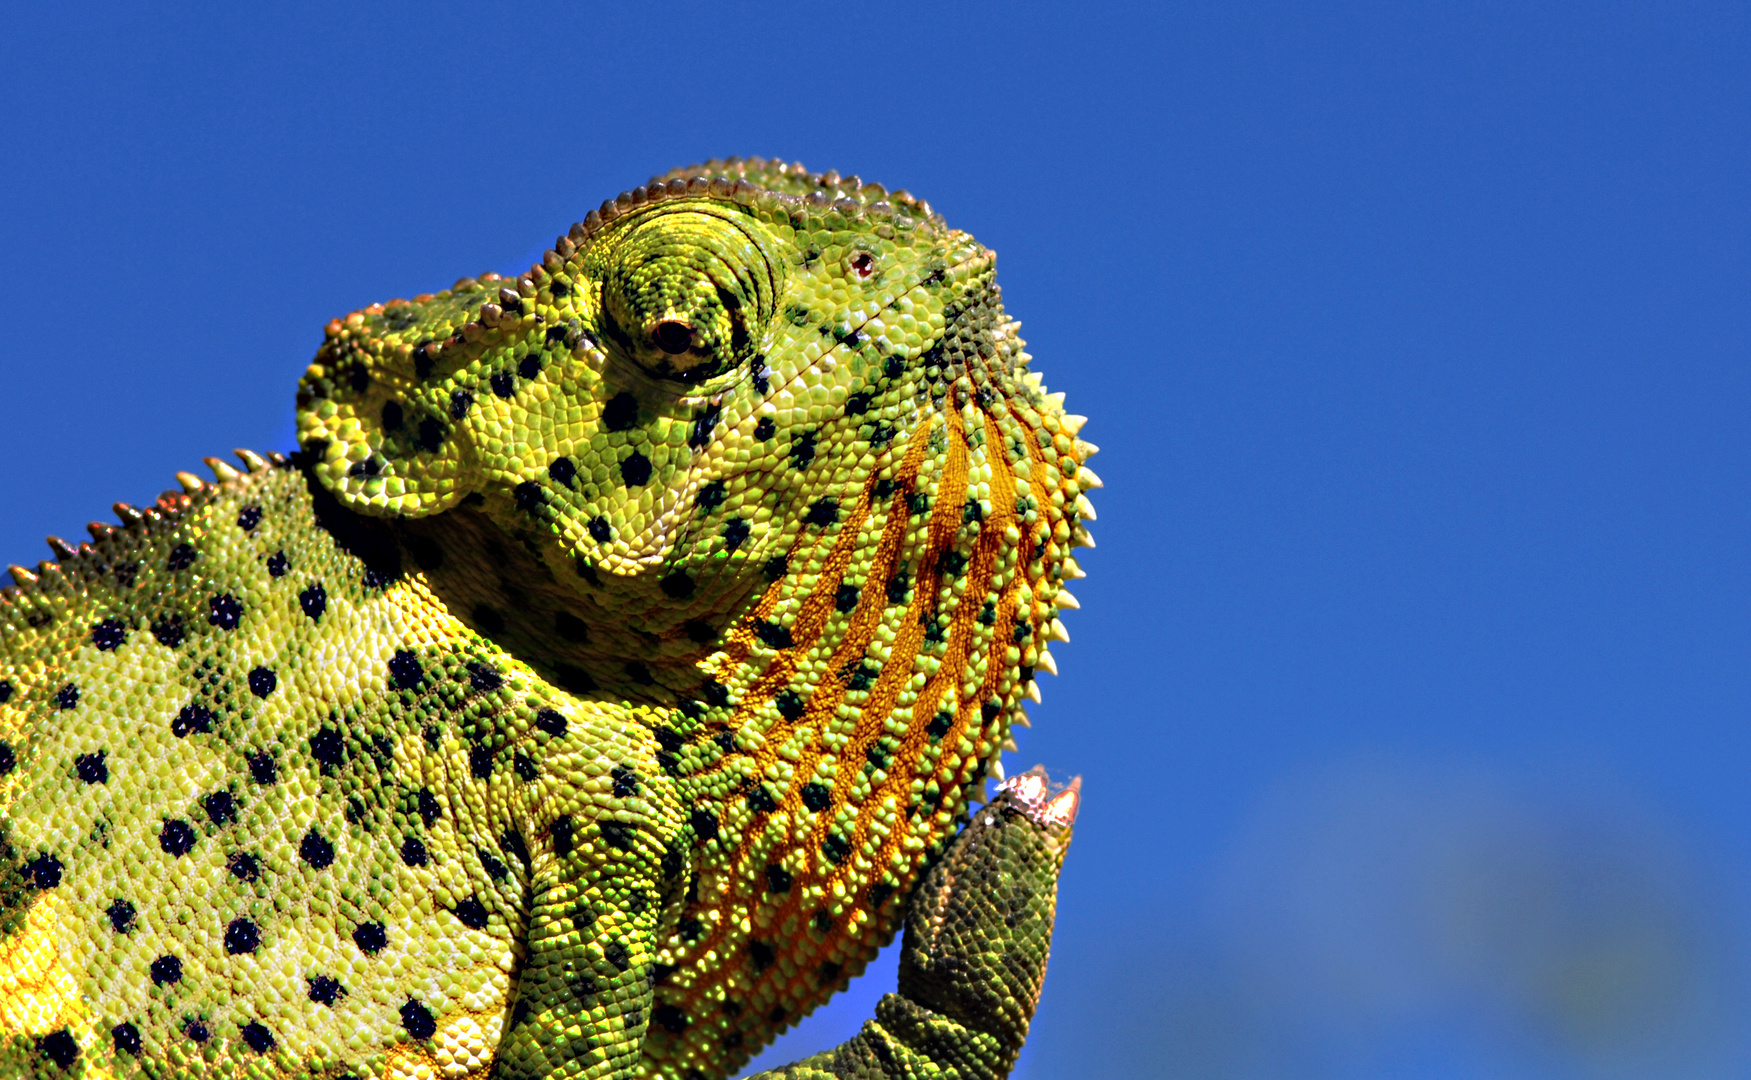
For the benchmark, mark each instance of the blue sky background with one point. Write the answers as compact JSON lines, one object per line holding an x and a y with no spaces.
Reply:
{"x":1410,"y":689}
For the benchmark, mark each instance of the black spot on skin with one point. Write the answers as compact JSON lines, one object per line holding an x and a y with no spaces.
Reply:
{"x":690,"y":929}
{"x":259,"y":1038}
{"x":314,"y":600}
{"x":480,"y":761}
{"x":92,"y":768}
{"x":168,"y":632}
{"x":472,"y":914}
{"x":529,"y":496}
{"x":599,"y":530}
{"x":429,"y":809}
{"x":777,"y":1015}
{"x":823,"y":512}
{"x":328,"y":746}
{"x":669,"y":1018}
{"x":494,"y":869}
{"x":182,"y":556}
{"x":762,"y":954}
{"x":108,"y":635}
{"x":324,"y":990}
{"x":898,"y":586}
{"x":225,"y":611}
{"x":625,"y":781}
{"x":243,"y":866}
{"x":635,"y":469}
{"x":460,"y":402}
{"x":530,"y":366}
{"x":8,"y":760}
{"x":802,"y":451}
{"x":573,"y":680}
{"x":176,"y":837}
{"x":370,"y":938}
{"x":733,"y":1039}
{"x":221,"y":807}
{"x":241,"y":936}
{"x":639,"y":673}
{"x":761,"y":801}
{"x":790,"y":704}
{"x":393,"y":415}
{"x":617,"y":835}
{"x":121,"y":916}
{"x":704,"y":824}
{"x":483,"y":678}
{"x":405,"y":671}
{"x":59,"y":1047}
{"x":125,"y":573}
{"x":126,"y":1038}
{"x":166,"y":970}
{"x":736,"y":532}
{"x":413,"y":852}
{"x":617,"y":954}
{"x":197,"y":1030}
{"x":939,"y":725}
{"x":953,"y":563}
{"x":817,"y":797}
{"x":524,"y":766}
{"x":5,"y":691}
{"x":263,"y":769}
{"x":835,"y":848}
{"x":431,"y":435}
{"x":703,"y":426}
{"x":879,"y":895}
{"x":278,"y":564}
{"x":262,"y":681}
{"x":504,"y":384}
{"x":773,"y":635}
{"x":249,"y":517}
{"x":823,"y":921}
{"x":678,"y":585}
{"x":417,"y":1019}
{"x":67,"y":696}
{"x":857,"y":404}
{"x":621,"y":412}
{"x":551,"y":722}
{"x":714,"y":693}
{"x":44,"y":871}
{"x":562,"y":835}
{"x":316,"y":850}
{"x":765,"y":429}
{"x":711,"y":496}
{"x":990,"y":710}
{"x":699,"y":631}
{"x":777,"y":878}
{"x":563,"y":471}
{"x":846,"y":598}
{"x":917,"y":502}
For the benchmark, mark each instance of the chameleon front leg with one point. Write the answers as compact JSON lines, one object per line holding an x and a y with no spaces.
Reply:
{"x":978,"y":931}
{"x":606,"y":872}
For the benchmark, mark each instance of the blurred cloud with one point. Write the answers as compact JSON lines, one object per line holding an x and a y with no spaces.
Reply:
{"x":1396,"y":917}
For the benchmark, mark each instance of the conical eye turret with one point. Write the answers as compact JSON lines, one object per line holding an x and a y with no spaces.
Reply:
{"x":688,"y":290}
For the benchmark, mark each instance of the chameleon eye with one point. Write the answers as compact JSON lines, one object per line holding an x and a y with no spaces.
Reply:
{"x":687,"y":290}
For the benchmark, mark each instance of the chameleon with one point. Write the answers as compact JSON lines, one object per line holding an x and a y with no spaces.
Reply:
{"x":586,"y":693}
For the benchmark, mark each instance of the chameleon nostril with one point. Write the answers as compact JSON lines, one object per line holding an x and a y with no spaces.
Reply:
{"x":673,"y":337}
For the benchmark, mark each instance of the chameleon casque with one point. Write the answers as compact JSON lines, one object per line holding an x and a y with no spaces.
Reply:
{"x":589,"y":691}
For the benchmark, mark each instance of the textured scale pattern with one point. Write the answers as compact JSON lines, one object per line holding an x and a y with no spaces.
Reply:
{"x":586,"y":694}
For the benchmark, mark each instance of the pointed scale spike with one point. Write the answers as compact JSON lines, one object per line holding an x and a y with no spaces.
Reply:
{"x":24,"y":577}
{"x":1073,"y":570}
{"x":1084,"y":508}
{"x":1065,"y":600}
{"x":1083,"y":538}
{"x":1033,"y":691}
{"x":1085,"y":450}
{"x":222,"y":472}
{"x":1020,"y":720}
{"x":252,"y":461}
{"x":190,"y":482}
{"x":1009,"y":744}
{"x":1047,"y":662}
{"x":99,"y":530}
{"x":1055,"y":631}
{"x":1056,"y":398}
{"x":61,"y":548}
{"x":1087,"y":480}
{"x":46,"y":567}
{"x":997,"y":770}
{"x":126,"y":514}
{"x":1073,"y":423}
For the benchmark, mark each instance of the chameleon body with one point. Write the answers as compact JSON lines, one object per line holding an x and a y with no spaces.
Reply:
{"x":585,"y":695}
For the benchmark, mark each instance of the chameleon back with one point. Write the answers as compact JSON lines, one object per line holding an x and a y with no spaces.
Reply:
{"x":674,"y":598}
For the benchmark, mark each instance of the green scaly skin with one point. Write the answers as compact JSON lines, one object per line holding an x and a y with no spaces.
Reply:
{"x":621,"y":642}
